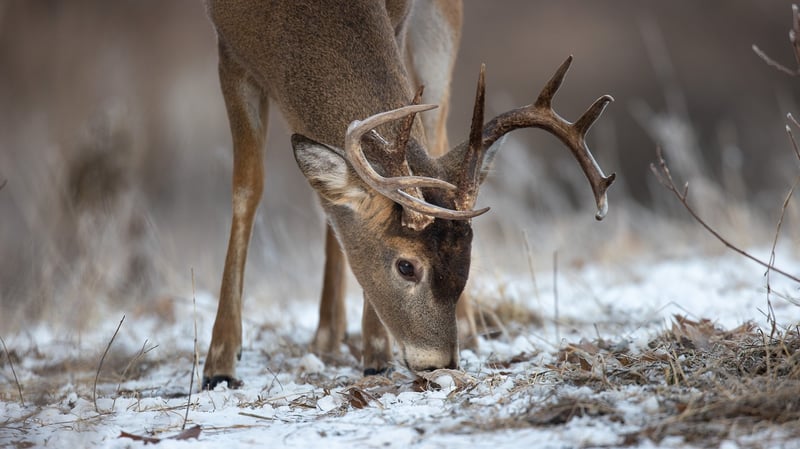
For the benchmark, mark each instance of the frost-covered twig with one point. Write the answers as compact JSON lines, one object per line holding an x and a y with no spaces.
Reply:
{"x":662,"y":173}
{"x":793,"y":38}
{"x":100,"y":365}
{"x":10,"y":362}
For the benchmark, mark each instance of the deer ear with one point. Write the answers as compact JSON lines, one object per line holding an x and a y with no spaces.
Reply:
{"x":328,"y":172}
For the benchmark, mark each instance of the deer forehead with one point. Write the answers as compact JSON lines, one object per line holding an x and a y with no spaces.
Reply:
{"x":444,"y":246}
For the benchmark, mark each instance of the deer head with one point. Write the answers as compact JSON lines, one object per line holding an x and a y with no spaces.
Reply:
{"x":403,"y":218}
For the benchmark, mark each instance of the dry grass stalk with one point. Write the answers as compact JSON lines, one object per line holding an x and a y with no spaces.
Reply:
{"x":100,"y":365}
{"x":555,"y":296}
{"x":11,"y":362}
{"x":709,"y":382}
{"x":144,"y":350}
{"x":194,"y":356}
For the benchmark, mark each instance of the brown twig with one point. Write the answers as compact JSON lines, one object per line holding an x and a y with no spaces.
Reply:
{"x":790,"y":117}
{"x":100,"y":365}
{"x":194,"y":356}
{"x":662,"y":173}
{"x":794,"y":33}
{"x":11,"y":362}
{"x":3,"y":184}
{"x":773,"y":63}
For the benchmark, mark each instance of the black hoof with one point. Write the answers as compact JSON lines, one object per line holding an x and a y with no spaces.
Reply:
{"x":209,"y":383}
{"x":377,"y":372}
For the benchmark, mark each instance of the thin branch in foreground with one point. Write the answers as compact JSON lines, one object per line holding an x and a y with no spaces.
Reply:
{"x":773,"y":63}
{"x":100,"y":365}
{"x":790,"y":117}
{"x":794,"y":33}
{"x":662,"y":173}
{"x":194,"y":356}
{"x":11,"y":362}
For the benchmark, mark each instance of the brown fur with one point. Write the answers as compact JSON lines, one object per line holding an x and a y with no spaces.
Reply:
{"x":326,"y":63}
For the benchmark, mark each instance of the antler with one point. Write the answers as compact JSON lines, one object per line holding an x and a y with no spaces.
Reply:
{"x":392,"y":187}
{"x":538,"y":115}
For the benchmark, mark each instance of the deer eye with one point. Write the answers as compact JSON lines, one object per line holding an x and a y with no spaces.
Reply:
{"x":406,"y":269}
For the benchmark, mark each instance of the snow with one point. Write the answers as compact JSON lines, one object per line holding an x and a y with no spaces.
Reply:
{"x":292,"y":398}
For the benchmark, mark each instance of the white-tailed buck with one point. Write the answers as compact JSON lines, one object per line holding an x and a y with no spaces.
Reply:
{"x":345,"y":74}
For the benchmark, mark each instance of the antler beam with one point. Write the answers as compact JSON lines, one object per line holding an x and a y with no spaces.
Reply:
{"x":541,"y":115}
{"x":392,"y":187}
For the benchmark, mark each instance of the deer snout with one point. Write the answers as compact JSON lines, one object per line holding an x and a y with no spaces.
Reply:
{"x":427,"y":359}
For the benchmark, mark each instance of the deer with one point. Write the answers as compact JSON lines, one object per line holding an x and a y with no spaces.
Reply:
{"x":398,"y":201}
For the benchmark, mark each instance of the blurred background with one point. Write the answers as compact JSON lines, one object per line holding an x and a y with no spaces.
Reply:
{"x":116,"y":151}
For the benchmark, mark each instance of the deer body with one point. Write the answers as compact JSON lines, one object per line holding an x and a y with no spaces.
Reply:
{"x":398,"y":206}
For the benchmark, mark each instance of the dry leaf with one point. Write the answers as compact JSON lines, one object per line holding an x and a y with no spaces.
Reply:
{"x":192,"y":432}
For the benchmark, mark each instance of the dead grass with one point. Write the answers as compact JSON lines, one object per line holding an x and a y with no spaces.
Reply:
{"x":711,"y":384}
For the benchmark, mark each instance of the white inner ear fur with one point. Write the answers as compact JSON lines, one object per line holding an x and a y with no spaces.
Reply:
{"x":329,"y":174}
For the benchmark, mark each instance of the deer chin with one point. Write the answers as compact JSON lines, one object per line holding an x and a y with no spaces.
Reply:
{"x":419,"y":359}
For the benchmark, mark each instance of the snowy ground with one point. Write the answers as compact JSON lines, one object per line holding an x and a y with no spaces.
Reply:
{"x":292,"y":399}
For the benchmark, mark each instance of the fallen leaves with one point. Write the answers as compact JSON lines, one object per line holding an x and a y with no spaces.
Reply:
{"x":192,"y":432}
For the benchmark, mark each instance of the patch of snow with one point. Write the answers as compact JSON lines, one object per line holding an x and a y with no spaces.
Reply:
{"x":291,"y":398}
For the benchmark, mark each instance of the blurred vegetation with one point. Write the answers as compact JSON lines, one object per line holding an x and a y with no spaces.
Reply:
{"x":115,"y":144}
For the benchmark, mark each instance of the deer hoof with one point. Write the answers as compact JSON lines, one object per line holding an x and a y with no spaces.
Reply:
{"x":209,"y":383}
{"x":377,"y":372}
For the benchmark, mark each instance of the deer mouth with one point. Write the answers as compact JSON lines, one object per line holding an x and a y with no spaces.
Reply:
{"x":425,"y":359}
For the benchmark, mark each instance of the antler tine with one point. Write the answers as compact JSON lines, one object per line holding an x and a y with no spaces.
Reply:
{"x":545,"y":98}
{"x":408,"y":123}
{"x":583,"y":124}
{"x":355,"y":154}
{"x":470,"y":168}
{"x":541,"y":115}
{"x":391,"y":188}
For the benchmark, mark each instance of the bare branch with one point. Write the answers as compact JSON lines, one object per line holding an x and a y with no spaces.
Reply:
{"x":773,"y":63}
{"x":791,"y":135}
{"x":791,"y":118}
{"x":794,"y":33}
{"x":662,"y":173}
